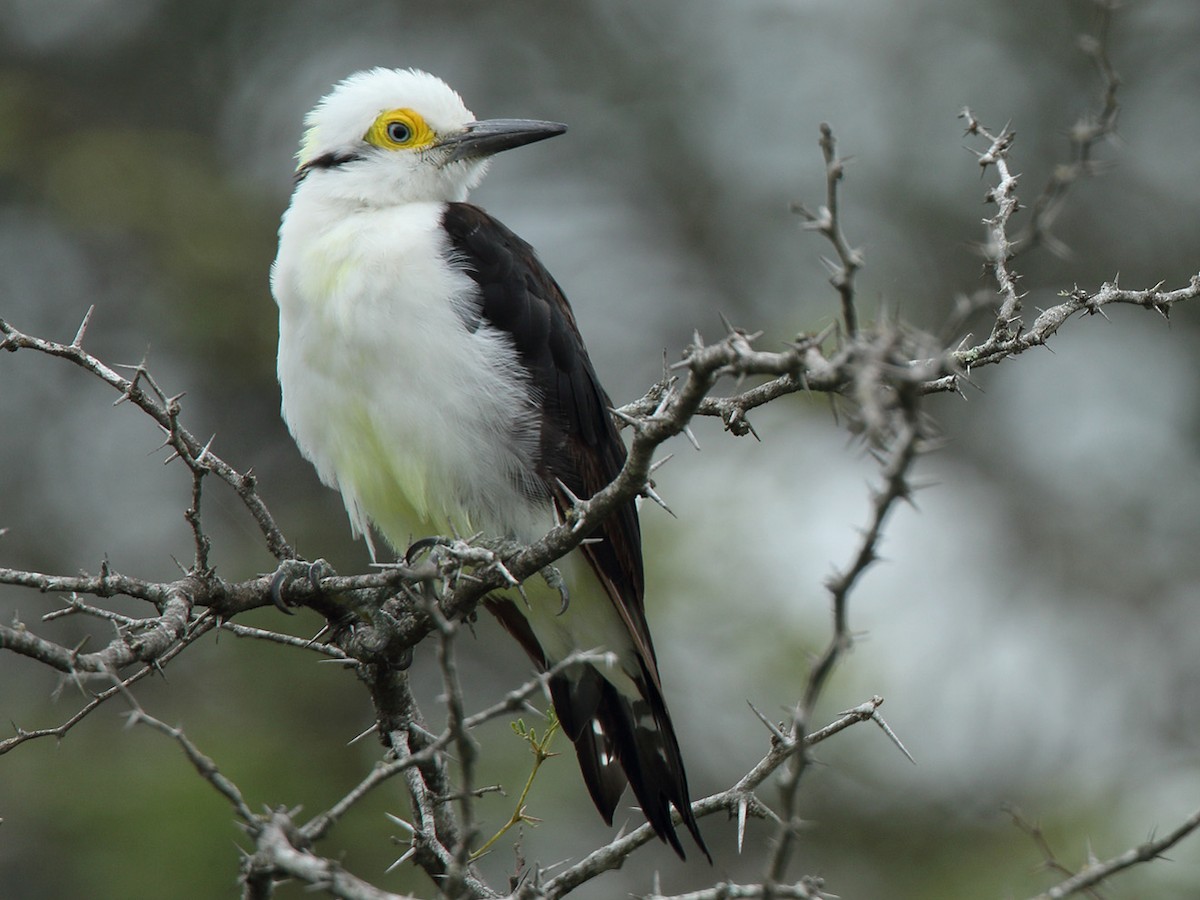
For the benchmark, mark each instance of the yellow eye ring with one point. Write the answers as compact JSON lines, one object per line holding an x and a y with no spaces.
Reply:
{"x":399,"y":129}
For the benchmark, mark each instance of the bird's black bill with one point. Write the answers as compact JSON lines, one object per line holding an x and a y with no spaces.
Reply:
{"x":493,"y":135}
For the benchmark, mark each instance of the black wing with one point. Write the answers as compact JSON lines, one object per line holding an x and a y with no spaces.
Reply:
{"x":579,"y":447}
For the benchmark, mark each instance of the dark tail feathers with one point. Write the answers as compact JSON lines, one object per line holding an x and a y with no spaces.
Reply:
{"x":620,"y":740}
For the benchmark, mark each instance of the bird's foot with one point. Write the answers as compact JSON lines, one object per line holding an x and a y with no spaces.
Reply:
{"x":452,"y":555}
{"x":424,"y":545}
{"x":292,"y":570}
{"x":490,"y":554}
{"x":555,"y":581}
{"x":493,"y":554}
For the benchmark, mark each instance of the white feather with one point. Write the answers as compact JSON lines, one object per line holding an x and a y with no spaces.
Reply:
{"x":415,"y":419}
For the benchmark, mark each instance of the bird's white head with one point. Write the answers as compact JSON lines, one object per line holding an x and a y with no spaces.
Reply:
{"x":390,"y":136}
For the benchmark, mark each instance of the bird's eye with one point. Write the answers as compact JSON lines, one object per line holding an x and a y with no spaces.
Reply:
{"x":400,"y":129}
{"x":399,"y":132}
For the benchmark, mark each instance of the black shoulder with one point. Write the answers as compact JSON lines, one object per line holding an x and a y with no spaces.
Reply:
{"x":579,"y":443}
{"x":518,"y":296}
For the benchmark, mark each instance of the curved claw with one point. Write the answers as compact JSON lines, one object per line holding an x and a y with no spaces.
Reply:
{"x":554,"y":579}
{"x":420,"y":546}
{"x":317,"y":570}
{"x":292,"y":569}
{"x":282,"y":575}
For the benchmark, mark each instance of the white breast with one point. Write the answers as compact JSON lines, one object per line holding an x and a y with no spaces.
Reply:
{"x":417,"y":420}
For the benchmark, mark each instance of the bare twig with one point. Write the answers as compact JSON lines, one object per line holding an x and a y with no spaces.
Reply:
{"x":826,"y":220}
{"x":805,"y":889}
{"x":276,"y":854}
{"x":465,"y":746}
{"x":1077,"y":301}
{"x":1096,"y":872}
{"x":895,"y":488}
{"x":203,"y":764}
{"x":1086,"y":134}
{"x":277,"y":637}
{"x":156,"y":644}
{"x":998,"y":249}
{"x":163,"y":410}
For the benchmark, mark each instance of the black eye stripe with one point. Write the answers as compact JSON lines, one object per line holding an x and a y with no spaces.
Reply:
{"x":327,"y":161}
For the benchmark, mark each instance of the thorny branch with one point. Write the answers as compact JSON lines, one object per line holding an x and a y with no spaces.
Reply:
{"x":1088,"y":132}
{"x":144,"y":392}
{"x":1085,"y":135}
{"x":827,"y":222}
{"x":896,"y":488}
{"x":805,"y":889}
{"x":1096,"y":871}
{"x":437,"y":836}
{"x":872,"y":368}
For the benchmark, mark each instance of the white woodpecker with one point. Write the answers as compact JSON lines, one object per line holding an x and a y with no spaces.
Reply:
{"x":432,"y":371}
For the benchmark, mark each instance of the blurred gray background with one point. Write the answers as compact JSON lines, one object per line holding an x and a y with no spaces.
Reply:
{"x":1034,"y":628}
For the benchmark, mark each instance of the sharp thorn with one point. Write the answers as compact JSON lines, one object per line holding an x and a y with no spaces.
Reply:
{"x":403,"y":824}
{"x":654,"y":466}
{"x":878,"y":719}
{"x":768,"y":724}
{"x":77,"y":343}
{"x":649,"y":492}
{"x":403,"y":859}
{"x":358,"y":737}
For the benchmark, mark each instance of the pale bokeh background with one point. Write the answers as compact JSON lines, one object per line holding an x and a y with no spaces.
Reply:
{"x":1034,"y":628}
